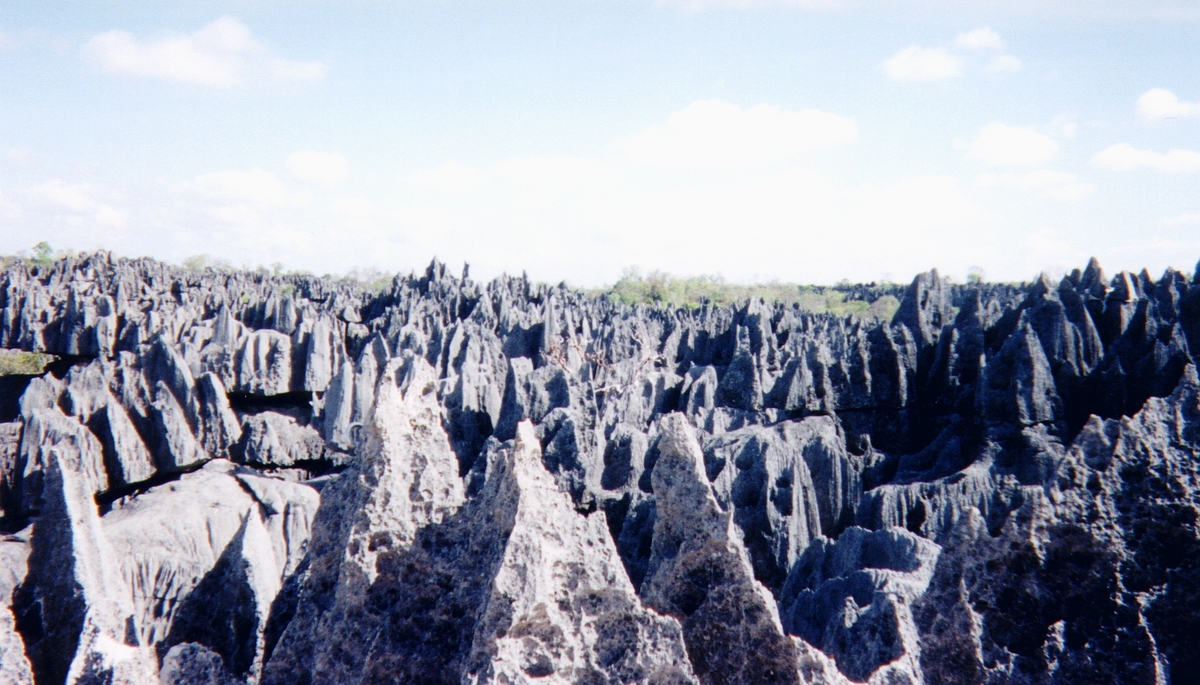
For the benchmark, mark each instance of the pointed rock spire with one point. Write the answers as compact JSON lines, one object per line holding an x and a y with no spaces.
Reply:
{"x":700,"y":573}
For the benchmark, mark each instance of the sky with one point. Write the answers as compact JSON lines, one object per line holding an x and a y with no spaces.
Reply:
{"x":804,"y":141}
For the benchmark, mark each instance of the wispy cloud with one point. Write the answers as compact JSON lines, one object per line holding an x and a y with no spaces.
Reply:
{"x":1055,"y":185}
{"x":715,"y":134}
{"x":1001,"y":64}
{"x":704,"y":5}
{"x":916,"y":63}
{"x":1002,"y":145}
{"x":254,"y":186}
{"x":979,"y":39}
{"x":1125,"y":157}
{"x":221,"y":54}
{"x":328,"y":168}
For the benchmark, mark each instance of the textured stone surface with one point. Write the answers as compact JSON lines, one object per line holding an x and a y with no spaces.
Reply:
{"x":996,"y":486}
{"x":218,"y":542}
{"x":14,"y":667}
{"x":700,"y":573}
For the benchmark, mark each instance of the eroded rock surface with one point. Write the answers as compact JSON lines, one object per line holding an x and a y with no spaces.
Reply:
{"x":232,"y":477}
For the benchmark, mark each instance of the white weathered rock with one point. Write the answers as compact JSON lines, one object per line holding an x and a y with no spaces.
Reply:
{"x":561,"y":604}
{"x":126,"y":458}
{"x":339,"y":408}
{"x":74,"y":599}
{"x":171,"y":537}
{"x":264,"y":363}
{"x":178,"y":447}
{"x":406,"y":478}
{"x":219,"y":426}
{"x":227,"y":611}
{"x":48,"y":432}
{"x":10,"y":452}
{"x":323,"y":354}
{"x":14,"y":667}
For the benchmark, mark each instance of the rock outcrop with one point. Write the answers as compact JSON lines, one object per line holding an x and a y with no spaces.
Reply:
{"x":241,"y":478}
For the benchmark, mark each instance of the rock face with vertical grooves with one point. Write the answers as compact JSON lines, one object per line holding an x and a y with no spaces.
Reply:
{"x":238,"y":478}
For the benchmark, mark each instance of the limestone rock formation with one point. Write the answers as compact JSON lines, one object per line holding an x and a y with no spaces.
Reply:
{"x":700,"y":573}
{"x":240,"y":478}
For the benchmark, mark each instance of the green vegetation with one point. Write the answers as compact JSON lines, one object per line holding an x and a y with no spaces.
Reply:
{"x":657,"y":287}
{"x":200,"y":262}
{"x":370,"y":279}
{"x":18,"y":363}
{"x":43,"y":254}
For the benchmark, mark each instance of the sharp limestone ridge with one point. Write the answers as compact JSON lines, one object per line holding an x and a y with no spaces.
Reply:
{"x":235,"y":478}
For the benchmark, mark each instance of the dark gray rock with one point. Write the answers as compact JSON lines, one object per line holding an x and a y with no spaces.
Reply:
{"x":1033,"y":432}
{"x":852,"y":598}
{"x":700,"y":573}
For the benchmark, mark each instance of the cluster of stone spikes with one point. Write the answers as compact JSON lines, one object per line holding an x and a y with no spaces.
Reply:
{"x":229,"y":477}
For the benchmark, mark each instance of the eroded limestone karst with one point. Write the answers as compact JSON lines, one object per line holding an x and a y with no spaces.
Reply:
{"x":232,"y":478}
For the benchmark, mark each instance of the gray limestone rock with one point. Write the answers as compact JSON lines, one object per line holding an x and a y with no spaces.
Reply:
{"x":73,"y":608}
{"x":274,"y":439}
{"x":49,"y":434}
{"x":264,"y":363}
{"x":406,"y":478}
{"x":192,"y":664}
{"x":1042,"y":435}
{"x":218,"y":425}
{"x":853,"y":599}
{"x":560,"y":603}
{"x":126,"y":458}
{"x":10,"y":450}
{"x":177,"y":445}
{"x":700,"y":573}
{"x":14,"y":667}
{"x":14,"y":563}
{"x":216,"y":524}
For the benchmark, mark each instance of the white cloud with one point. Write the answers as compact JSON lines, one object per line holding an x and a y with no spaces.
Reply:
{"x":327,"y":168}
{"x":1124,"y":157}
{"x":354,"y":206}
{"x":1157,"y":104}
{"x":916,"y":63}
{"x":704,"y":5}
{"x":1001,"y":64}
{"x":450,"y":177}
{"x":1064,"y":126}
{"x":583,"y":218}
{"x":79,"y":206}
{"x":1001,"y":145}
{"x":1182,"y":219}
{"x":1055,"y":185}
{"x":555,"y":173}
{"x":253,"y":186}
{"x":715,"y":134}
{"x":74,"y":197}
{"x":221,"y":54}
{"x":979,"y":39}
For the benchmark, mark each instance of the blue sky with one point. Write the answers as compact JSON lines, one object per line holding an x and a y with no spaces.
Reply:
{"x":803,"y":140}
